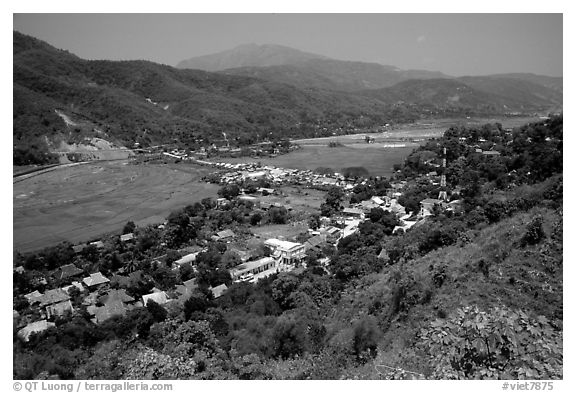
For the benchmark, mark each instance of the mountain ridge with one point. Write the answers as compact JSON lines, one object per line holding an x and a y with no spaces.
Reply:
{"x":142,"y":102}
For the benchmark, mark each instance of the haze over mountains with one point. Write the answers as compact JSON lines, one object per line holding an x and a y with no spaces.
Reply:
{"x":257,"y":91}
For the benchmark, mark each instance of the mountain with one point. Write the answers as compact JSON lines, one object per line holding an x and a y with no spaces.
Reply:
{"x":60,"y":98}
{"x":283,"y":64}
{"x":551,"y":82}
{"x":484,"y":95}
{"x":247,"y":56}
{"x":335,"y":74}
{"x":528,"y":92}
{"x":138,"y":101}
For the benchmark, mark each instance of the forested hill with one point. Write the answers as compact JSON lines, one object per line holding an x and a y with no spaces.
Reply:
{"x":139,"y":101}
{"x":60,"y":97}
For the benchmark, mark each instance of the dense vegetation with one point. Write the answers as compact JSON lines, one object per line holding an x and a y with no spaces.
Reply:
{"x":471,"y":293}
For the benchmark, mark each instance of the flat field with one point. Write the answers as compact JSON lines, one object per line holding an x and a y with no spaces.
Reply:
{"x":80,"y":203}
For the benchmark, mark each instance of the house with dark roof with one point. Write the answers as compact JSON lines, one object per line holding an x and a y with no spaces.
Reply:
{"x":315,"y":243}
{"x":186,"y":289}
{"x":55,"y":302}
{"x":224,"y":235}
{"x":353,"y":212}
{"x":67,"y":271}
{"x":109,"y":310}
{"x":79,"y":248}
{"x":114,"y":295}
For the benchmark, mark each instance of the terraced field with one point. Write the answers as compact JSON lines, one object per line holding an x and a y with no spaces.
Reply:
{"x":81,"y":202}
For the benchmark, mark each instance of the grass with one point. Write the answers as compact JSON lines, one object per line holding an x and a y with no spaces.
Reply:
{"x":80,"y":203}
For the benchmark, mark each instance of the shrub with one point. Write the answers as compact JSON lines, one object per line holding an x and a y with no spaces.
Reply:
{"x":534,"y":232}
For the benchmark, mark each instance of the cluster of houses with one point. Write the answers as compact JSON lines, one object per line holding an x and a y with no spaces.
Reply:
{"x":236,"y":173}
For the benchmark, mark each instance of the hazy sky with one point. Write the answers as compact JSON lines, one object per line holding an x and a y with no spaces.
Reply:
{"x":456,"y":44}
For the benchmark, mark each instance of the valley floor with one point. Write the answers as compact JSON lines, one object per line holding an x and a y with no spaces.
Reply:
{"x":82,"y":202}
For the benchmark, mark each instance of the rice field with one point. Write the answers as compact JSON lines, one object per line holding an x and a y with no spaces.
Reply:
{"x":82,"y":202}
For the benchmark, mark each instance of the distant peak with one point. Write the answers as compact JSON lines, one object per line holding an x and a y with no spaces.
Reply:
{"x":249,"y":55}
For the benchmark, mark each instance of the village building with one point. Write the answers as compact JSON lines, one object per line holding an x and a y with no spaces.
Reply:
{"x":427,"y":206}
{"x":67,"y":271}
{"x":74,"y":284}
{"x":218,"y":290}
{"x":221,"y":202}
{"x":315,"y":243}
{"x":351,"y":227}
{"x":127,"y":237}
{"x":266,"y":191}
{"x":285,"y":252}
{"x":188,"y":258}
{"x":34,"y":327}
{"x":55,"y":302}
{"x":96,"y":280}
{"x":33,"y":297}
{"x":225,"y":235}
{"x":331,"y":234}
{"x":353,"y":212}
{"x":250,"y":269}
{"x":247,"y":198}
{"x":158,"y":297}
{"x":186,"y":289}
{"x":98,"y":244}
{"x":78,"y":248}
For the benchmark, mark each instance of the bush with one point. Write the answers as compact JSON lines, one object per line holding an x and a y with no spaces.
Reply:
{"x":366,"y":335}
{"x":534,"y":232}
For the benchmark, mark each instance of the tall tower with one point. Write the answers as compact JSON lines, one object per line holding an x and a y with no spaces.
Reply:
{"x":442,"y":194}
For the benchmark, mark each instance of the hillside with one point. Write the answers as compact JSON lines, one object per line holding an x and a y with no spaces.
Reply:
{"x":473,"y":290}
{"x":248,"y":55}
{"x":468,"y":95}
{"x":60,"y":98}
{"x":335,"y":74}
{"x":139,"y":101}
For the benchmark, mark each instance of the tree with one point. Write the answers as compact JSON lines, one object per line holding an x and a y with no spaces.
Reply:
{"x":158,"y":312}
{"x":534,"y":232}
{"x":366,"y":335}
{"x":230,"y":259}
{"x":229,"y":191}
{"x":283,"y":287}
{"x":289,"y":337}
{"x":278,"y":215}
{"x":129,"y":227}
{"x":314,"y":222}
{"x":255,"y":219}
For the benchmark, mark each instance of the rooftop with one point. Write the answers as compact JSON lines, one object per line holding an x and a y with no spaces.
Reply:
{"x":158,"y":297}
{"x":95,"y":279}
{"x":283,"y":244}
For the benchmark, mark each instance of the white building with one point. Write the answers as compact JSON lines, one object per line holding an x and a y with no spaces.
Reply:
{"x":286,"y":252}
